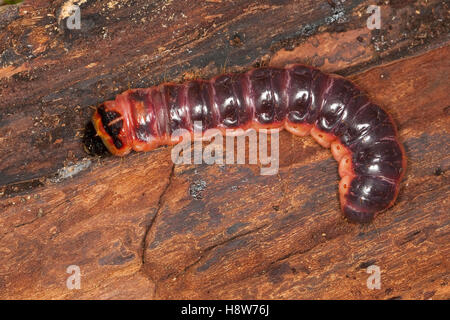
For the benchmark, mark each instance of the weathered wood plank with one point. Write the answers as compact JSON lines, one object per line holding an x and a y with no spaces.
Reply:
{"x":142,"y":228}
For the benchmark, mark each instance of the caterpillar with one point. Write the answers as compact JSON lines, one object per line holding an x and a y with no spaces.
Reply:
{"x":303,"y":100}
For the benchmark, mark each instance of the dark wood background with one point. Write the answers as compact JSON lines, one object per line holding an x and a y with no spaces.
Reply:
{"x":142,"y":228}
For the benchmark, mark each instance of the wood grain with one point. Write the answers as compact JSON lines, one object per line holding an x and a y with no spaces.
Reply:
{"x":142,"y":228}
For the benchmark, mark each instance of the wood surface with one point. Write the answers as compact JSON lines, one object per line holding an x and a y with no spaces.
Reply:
{"x":143,"y":228}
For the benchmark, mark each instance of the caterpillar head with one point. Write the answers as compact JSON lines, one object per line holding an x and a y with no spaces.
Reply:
{"x":109,"y":124}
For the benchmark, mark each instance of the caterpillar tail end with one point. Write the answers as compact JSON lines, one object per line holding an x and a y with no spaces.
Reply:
{"x":351,"y":213}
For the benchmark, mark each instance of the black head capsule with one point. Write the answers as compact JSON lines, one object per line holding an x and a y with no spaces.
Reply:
{"x":112,"y":123}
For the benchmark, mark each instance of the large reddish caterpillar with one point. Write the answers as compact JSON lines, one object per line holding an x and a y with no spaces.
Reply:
{"x":301,"y":99}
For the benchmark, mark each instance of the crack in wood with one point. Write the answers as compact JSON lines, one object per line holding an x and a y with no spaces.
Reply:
{"x":207,"y":250}
{"x":152,"y":222}
{"x":204,"y":255}
{"x":38,"y":217}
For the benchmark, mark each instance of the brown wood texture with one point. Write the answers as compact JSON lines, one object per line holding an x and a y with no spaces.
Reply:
{"x":143,"y":228}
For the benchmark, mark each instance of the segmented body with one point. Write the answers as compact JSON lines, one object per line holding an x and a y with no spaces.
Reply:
{"x":301,"y":99}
